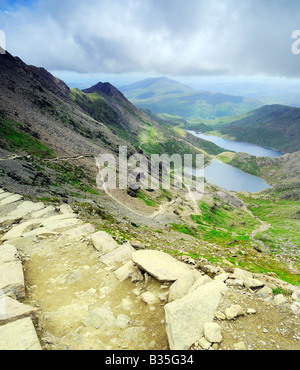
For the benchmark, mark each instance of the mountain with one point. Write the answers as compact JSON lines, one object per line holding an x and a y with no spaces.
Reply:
{"x":50,"y":136}
{"x":166,"y":96}
{"x":274,"y":126}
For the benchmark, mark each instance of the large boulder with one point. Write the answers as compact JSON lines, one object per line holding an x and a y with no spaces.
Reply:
{"x":160,"y":265}
{"x":186,"y":317}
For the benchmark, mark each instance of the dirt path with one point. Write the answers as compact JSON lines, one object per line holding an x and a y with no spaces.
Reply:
{"x":264,"y":226}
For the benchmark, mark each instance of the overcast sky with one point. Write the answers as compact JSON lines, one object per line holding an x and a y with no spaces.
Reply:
{"x":154,"y":37}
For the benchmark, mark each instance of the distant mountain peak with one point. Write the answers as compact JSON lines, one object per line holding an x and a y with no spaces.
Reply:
{"x":106,"y":88}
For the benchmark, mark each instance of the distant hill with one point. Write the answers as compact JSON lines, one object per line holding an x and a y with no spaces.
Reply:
{"x":274,"y":126}
{"x":163,"y":95}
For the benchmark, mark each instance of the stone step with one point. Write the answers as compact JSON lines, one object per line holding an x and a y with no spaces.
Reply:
{"x":12,"y":279}
{"x":19,"y":335}
{"x":11,"y":199}
{"x":12,"y":310}
{"x":8,"y":253}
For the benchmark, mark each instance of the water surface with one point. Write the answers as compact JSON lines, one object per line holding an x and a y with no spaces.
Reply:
{"x":256,"y":150}
{"x":231,"y":178}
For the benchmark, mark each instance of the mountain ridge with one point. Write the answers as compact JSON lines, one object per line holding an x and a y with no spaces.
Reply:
{"x":163,"y":95}
{"x":275,"y":126}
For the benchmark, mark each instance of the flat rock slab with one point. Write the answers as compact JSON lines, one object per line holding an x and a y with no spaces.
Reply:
{"x":160,"y":265}
{"x":103,"y":242}
{"x":5,"y":195}
{"x":81,"y":231}
{"x":186,"y":317}
{"x":12,"y":278}
{"x":61,"y":225}
{"x":8,"y":253}
{"x":19,"y":335}
{"x":25,"y":208}
{"x":122,"y":254}
{"x":17,"y":231}
{"x":11,"y":199}
{"x":12,"y":310}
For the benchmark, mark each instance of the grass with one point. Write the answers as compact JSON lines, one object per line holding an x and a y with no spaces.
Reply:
{"x":14,"y":138}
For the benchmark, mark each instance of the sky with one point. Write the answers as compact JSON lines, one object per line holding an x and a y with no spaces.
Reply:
{"x":123,"y":41}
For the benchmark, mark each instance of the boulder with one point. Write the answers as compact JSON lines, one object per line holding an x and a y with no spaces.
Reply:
{"x":19,"y":335}
{"x":122,"y":254}
{"x":242,"y":274}
{"x":234,"y":311}
{"x":280,"y":300}
{"x":181,"y":287}
{"x":149,"y":298}
{"x":65,"y":209}
{"x":127,"y":271}
{"x":186,"y":317}
{"x":200,"y":282}
{"x":253,"y":283}
{"x":213,"y":333}
{"x":160,"y":265}
{"x":103,"y":242}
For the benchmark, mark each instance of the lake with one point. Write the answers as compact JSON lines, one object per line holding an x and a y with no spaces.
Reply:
{"x":229,"y":177}
{"x":257,"y":151}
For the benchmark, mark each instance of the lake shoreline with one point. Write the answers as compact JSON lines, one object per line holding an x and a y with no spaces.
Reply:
{"x":232,"y":178}
{"x":218,"y":140}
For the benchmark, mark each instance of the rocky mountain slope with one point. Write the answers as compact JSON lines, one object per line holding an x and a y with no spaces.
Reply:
{"x":51,"y":135}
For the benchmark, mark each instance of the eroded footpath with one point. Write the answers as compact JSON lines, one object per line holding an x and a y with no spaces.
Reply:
{"x":65,"y":285}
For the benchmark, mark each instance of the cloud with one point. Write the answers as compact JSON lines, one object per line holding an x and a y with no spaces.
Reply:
{"x":173,"y":37}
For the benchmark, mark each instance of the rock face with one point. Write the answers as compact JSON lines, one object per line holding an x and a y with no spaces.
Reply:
{"x":160,"y":265}
{"x":186,"y":317}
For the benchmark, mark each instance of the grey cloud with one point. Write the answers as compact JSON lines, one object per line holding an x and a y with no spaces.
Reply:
{"x":174,"y":37}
